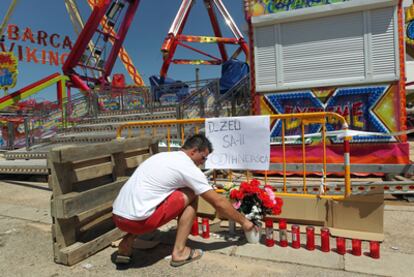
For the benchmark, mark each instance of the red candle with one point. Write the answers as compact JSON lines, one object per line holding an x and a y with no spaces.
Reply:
{"x":310,"y":238}
{"x":356,"y":247}
{"x":295,"y":236}
{"x":206,"y":228}
{"x":374,"y":248}
{"x":283,"y":242}
{"x":194,"y":228}
{"x":340,"y":246}
{"x":269,"y":233}
{"x":325,"y":247}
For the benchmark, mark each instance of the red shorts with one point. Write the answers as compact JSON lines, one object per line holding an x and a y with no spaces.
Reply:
{"x":169,"y":209}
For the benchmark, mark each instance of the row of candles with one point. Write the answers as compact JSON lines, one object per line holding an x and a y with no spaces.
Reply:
{"x":310,"y":240}
{"x":295,"y":242}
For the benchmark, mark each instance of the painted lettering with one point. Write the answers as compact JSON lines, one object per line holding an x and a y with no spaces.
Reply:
{"x":13,"y":32}
{"x":41,"y":38}
{"x":53,"y":42}
{"x":28,"y":35}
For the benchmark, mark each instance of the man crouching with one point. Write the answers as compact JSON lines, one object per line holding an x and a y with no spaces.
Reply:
{"x":166,"y":186}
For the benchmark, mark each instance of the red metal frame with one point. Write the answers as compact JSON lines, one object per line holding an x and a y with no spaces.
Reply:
{"x":81,"y":45}
{"x":255,"y":99}
{"x":175,"y":36}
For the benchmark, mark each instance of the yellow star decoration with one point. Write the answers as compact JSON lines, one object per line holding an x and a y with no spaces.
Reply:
{"x":387,"y":110}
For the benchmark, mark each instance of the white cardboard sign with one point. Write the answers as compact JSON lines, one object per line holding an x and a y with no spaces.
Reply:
{"x":239,"y":142}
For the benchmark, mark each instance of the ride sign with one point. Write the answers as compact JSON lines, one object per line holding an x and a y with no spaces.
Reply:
{"x":8,"y":70}
{"x":239,"y":142}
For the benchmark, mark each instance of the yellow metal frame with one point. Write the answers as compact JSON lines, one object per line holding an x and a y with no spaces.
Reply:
{"x":306,"y":118}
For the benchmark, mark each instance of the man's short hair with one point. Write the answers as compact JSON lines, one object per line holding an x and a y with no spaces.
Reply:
{"x":198,"y":141}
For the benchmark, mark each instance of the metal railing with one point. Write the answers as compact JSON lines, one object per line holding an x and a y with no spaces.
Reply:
{"x":209,"y":102}
{"x":186,"y":127}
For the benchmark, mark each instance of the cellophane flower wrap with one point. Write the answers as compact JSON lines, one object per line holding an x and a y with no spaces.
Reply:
{"x":256,"y":202}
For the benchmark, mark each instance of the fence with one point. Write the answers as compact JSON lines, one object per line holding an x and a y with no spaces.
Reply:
{"x":204,"y":100}
{"x":175,"y":131}
{"x":209,"y":102}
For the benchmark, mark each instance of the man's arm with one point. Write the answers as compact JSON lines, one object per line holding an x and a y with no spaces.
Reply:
{"x":224,"y":207}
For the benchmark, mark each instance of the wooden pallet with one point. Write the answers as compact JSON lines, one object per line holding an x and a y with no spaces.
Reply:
{"x":85,"y":180}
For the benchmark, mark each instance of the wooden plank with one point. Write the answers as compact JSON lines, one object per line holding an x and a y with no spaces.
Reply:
{"x":115,"y":146}
{"x":80,"y":251}
{"x":154,"y":147}
{"x":91,"y":161}
{"x":97,"y":211}
{"x":137,"y":152}
{"x":91,"y":172}
{"x":90,"y":232}
{"x":119,"y":166}
{"x":137,"y":143}
{"x":60,"y":181}
{"x":133,"y":162}
{"x":71,"y":204}
{"x":91,"y":224}
{"x":74,"y":154}
{"x":63,"y":231}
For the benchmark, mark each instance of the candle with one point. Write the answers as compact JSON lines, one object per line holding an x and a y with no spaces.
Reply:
{"x":325,"y":247}
{"x":283,"y":242}
{"x":206,"y":228}
{"x":310,"y":238}
{"x":356,"y":247}
{"x":340,"y":246}
{"x":194,"y":228}
{"x":295,"y":236}
{"x":374,"y":248}
{"x":269,"y":233}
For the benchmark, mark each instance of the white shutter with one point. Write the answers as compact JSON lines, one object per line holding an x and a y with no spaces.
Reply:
{"x":265,"y":56}
{"x":383,"y":36}
{"x":314,"y":51}
{"x":356,"y":47}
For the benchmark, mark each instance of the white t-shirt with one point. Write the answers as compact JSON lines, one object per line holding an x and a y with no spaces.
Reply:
{"x":154,"y":180}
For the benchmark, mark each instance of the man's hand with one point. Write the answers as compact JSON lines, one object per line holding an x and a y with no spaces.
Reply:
{"x":248,"y":225}
{"x":224,"y":207}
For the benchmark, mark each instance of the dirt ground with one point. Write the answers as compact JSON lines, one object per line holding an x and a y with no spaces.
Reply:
{"x":26,"y":250}
{"x":26,"y":245}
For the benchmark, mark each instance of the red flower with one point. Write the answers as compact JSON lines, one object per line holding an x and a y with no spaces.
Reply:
{"x":279,"y":201}
{"x":255,"y":183}
{"x":276,"y":210}
{"x":234,"y":194}
{"x":251,"y":194}
{"x":240,"y":195}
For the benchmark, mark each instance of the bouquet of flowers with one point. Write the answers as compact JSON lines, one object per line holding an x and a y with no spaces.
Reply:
{"x":255,"y":202}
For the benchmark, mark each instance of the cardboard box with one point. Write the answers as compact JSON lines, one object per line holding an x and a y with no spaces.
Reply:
{"x":359,"y":216}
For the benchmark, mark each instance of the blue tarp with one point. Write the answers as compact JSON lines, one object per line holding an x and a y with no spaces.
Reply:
{"x":232,"y":71}
{"x":168,"y":89}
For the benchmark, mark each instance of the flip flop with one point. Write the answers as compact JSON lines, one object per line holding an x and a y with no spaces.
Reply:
{"x":121,"y":259}
{"x":190,"y":258}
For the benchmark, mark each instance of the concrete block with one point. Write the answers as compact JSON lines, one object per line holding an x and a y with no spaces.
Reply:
{"x":301,"y":256}
{"x":390,"y":264}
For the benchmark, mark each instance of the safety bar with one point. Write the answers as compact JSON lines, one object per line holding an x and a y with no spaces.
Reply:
{"x":305,"y":118}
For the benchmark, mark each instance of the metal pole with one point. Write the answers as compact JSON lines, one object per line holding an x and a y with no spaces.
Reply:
{"x":27,"y":133}
{"x":10,"y":135}
{"x":197,"y":77}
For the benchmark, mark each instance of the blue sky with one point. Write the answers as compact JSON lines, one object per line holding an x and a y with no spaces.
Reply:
{"x":145,"y":37}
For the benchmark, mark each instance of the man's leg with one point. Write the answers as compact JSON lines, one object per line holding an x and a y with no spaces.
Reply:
{"x":185,"y":221}
{"x":125,"y":246}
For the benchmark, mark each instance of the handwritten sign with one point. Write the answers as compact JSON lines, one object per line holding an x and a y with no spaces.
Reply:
{"x":239,"y":142}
